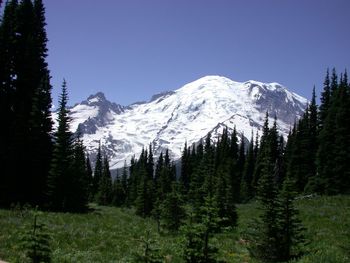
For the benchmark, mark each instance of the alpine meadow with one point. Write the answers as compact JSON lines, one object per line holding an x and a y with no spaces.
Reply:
{"x":216,"y":170}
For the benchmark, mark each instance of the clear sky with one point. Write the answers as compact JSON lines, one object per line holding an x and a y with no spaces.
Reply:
{"x":132,"y":49}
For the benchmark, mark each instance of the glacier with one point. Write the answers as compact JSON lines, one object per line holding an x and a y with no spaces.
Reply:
{"x":187,"y":114}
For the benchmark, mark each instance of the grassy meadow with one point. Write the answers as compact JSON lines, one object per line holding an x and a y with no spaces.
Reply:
{"x":109,"y":234}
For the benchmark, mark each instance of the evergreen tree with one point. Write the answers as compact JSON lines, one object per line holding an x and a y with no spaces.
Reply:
{"x":225,"y":197}
{"x":8,"y":24}
{"x":325,"y":100}
{"x":264,"y":232}
{"x":35,"y":242}
{"x":104,"y":193}
{"x":124,"y":182}
{"x":97,"y":171}
{"x":25,"y":103}
{"x":185,"y":163}
{"x":118,"y":195}
{"x":291,"y":238}
{"x":172,"y":211}
{"x":89,"y":177}
{"x":150,"y":251}
{"x":61,"y":161}
{"x":197,"y":247}
{"x":144,"y":201}
{"x":40,"y":141}
{"x":150,"y":163}
{"x":248,"y":171}
{"x":78,"y":196}
{"x":333,"y":151}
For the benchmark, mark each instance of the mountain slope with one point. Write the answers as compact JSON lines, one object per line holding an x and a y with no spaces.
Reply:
{"x":186,"y":114}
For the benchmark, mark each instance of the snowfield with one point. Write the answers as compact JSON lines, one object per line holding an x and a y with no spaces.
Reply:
{"x":186,"y":114}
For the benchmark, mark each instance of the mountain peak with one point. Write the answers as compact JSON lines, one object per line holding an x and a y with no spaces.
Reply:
{"x":186,"y":114}
{"x":98,"y":97}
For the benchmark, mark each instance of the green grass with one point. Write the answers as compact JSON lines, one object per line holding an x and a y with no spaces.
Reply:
{"x":111,"y":234}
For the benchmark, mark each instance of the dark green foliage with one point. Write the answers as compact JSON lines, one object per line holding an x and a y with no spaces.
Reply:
{"x":248,"y":172}
{"x":89,"y":178}
{"x":105,"y":191}
{"x":185,"y":169}
{"x":68,"y":182}
{"x":120,"y":188}
{"x":225,"y":197}
{"x":291,"y":231}
{"x":145,"y":194}
{"x":25,"y":99}
{"x":277,"y":235}
{"x":118,"y":193}
{"x":333,"y":155}
{"x":172,"y":211}
{"x":79,"y":182}
{"x":150,"y":252}
{"x":302,"y":148}
{"x":197,"y":235}
{"x":60,"y":172}
{"x":97,"y":171}
{"x":263,"y":236}
{"x":35,"y":242}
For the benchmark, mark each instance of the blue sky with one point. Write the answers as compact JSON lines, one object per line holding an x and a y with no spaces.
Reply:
{"x":132,"y":49}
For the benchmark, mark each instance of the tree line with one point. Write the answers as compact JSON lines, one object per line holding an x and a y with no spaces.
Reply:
{"x":50,"y":168}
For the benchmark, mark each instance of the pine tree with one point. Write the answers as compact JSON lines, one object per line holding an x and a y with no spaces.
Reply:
{"x":8,"y":24}
{"x":104,"y":193}
{"x":145,"y":196}
{"x":264,"y":233}
{"x":35,"y":242}
{"x":325,"y":100}
{"x":97,"y":171}
{"x":248,"y":171}
{"x":197,"y":247}
{"x":291,"y":238}
{"x":40,"y":141}
{"x":118,"y":193}
{"x":333,"y":151}
{"x":25,"y":103}
{"x":225,"y":197}
{"x":89,"y":177}
{"x":150,"y":251}
{"x":60,"y":171}
{"x":185,"y":162}
{"x":78,"y":196}
{"x":172,"y":209}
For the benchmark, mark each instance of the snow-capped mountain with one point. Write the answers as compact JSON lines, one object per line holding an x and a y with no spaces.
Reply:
{"x":186,"y":114}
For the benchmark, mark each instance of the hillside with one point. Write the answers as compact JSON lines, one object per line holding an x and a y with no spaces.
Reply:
{"x":112,"y":234}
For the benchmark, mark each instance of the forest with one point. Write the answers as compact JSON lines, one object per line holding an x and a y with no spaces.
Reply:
{"x":48,"y":169}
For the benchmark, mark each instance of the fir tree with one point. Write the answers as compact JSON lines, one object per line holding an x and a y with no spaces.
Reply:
{"x":197,"y":247}
{"x":145,"y":196}
{"x":104,"y":193}
{"x":291,"y":238}
{"x":97,"y":171}
{"x":35,"y":242}
{"x":118,"y":194}
{"x":185,"y":162}
{"x":172,"y":209}
{"x":264,"y":233}
{"x":150,"y":251}
{"x":89,"y":177}
{"x":8,"y":24}
{"x":78,"y":196}
{"x":225,"y":197}
{"x":248,"y":171}
{"x":325,"y":100}
{"x":60,"y":171}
